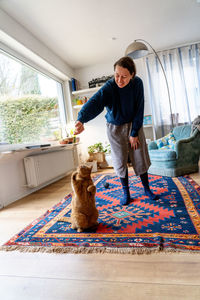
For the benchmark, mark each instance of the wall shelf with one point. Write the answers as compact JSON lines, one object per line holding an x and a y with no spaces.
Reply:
{"x":77,"y":106}
{"x":85,"y":91}
{"x":150,"y":125}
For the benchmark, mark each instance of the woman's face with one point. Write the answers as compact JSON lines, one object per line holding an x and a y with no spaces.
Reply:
{"x":122,"y":76}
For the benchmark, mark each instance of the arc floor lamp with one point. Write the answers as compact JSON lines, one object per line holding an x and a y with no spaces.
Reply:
{"x":138,"y":49}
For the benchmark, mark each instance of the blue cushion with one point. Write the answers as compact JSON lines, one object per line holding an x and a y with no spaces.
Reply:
{"x":171,"y":141}
{"x":166,"y":142}
{"x":161,"y":142}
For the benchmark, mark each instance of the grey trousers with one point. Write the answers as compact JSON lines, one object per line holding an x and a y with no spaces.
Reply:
{"x":118,"y":136}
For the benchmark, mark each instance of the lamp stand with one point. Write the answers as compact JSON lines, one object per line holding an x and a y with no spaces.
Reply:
{"x":169,"y":98}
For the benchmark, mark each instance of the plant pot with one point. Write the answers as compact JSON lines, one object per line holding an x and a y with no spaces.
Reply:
{"x":64,"y":141}
{"x":70,"y":140}
{"x":99,"y":157}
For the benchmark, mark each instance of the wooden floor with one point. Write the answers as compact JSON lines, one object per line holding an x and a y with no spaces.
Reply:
{"x":39,"y":276}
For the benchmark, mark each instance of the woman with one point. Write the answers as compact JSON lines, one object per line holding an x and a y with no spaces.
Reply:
{"x":123,"y":97}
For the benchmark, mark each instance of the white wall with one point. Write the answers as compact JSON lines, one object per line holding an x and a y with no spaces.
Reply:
{"x":84,"y":75}
{"x":16,"y":36}
{"x":95,"y":132}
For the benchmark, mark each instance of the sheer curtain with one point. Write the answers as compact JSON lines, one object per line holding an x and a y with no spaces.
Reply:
{"x":182,"y":69}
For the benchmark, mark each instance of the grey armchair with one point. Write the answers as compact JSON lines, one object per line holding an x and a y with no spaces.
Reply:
{"x":182,"y":159}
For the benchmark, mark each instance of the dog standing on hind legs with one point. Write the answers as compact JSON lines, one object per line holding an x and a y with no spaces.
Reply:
{"x":84,"y":213}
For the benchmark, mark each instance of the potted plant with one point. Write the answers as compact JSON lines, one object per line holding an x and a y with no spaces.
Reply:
{"x":97,"y":153}
{"x":66,"y":136}
{"x":71,"y":137}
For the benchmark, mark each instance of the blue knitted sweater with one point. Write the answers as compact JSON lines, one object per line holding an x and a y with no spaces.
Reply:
{"x":123,"y":105}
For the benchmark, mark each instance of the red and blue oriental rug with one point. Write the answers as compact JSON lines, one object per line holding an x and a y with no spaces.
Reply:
{"x":169,"y":224}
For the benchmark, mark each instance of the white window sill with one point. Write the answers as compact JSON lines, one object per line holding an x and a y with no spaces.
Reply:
{"x":9,"y":150}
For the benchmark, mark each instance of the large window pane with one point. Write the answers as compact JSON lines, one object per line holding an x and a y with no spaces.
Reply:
{"x":31,"y":104}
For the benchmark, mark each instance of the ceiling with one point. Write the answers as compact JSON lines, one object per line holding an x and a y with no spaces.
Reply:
{"x":89,"y":32}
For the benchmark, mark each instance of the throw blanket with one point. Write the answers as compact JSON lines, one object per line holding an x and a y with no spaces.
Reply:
{"x":196,"y":124}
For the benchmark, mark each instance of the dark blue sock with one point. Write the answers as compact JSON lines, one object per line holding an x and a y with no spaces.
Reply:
{"x":126,"y":197}
{"x":124,"y":180}
{"x":148,"y":192}
{"x":151,"y":195}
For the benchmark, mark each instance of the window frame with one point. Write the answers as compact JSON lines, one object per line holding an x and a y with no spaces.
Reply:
{"x":13,"y":54}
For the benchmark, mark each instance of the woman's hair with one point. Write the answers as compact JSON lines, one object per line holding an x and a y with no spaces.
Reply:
{"x":127,"y":63}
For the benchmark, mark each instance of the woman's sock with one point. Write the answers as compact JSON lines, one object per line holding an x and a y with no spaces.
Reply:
{"x":148,"y":192}
{"x":126,"y":197}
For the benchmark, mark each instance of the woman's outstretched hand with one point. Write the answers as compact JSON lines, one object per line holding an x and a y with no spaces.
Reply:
{"x":78,"y":127}
{"x":134,"y":141}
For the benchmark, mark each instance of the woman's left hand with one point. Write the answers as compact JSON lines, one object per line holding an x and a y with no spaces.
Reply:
{"x":134,"y":141}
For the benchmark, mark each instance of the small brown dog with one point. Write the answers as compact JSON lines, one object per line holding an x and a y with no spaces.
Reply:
{"x":84,"y":213}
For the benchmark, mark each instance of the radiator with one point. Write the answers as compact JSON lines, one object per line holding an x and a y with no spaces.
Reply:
{"x":45,"y":167}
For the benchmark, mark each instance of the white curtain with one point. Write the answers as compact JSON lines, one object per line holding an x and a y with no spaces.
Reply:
{"x":182,"y":68}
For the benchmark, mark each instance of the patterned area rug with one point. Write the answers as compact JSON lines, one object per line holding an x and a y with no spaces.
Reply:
{"x":169,"y":224}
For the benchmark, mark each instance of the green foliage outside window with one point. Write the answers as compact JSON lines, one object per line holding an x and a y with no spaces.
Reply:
{"x":27,"y":119}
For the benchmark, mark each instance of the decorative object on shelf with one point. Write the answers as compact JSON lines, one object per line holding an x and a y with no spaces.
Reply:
{"x":138,"y":49}
{"x":74,"y":84}
{"x":147,"y":120}
{"x":80,"y":100}
{"x":99,"y":81}
{"x":148,"y":123}
{"x":80,"y":97}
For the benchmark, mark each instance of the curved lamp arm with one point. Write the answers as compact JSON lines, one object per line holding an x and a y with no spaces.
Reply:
{"x":145,"y":52}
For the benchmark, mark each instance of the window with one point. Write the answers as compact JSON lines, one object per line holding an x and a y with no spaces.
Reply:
{"x":31,"y":104}
{"x":182,"y":70}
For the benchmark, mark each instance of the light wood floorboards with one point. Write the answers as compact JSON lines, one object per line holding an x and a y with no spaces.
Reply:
{"x":39,"y":276}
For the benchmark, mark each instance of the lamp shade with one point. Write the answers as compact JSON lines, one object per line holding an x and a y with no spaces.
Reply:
{"x":136,"y":50}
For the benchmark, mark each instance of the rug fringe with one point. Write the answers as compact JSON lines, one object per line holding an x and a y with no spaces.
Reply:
{"x":86,"y":250}
{"x":79,"y":250}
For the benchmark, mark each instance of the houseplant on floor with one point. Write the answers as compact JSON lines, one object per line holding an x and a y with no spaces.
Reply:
{"x":97,"y":152}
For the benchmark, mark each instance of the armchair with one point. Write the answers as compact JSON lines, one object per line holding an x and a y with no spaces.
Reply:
{"x":178,"y":158}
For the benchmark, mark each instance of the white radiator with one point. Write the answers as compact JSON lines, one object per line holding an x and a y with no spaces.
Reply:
{"x":45,"y":167}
